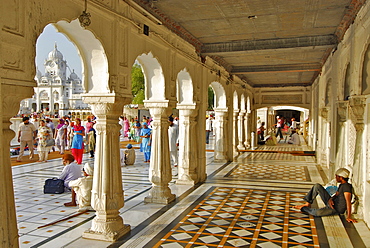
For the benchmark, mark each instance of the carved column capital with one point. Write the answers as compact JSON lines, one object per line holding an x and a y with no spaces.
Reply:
{"x":324,"y":113}
{"x":358,"y":104}
{"x":342,"y":110}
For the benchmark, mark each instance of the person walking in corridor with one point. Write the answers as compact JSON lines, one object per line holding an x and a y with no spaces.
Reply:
{"x":26,"y":136}
{"x":145,"y":146}
{"x":279,"y":126}
{"x":78,"y":141}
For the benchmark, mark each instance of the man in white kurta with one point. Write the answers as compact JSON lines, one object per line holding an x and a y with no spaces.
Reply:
{"x":26,"y":136}
{"x":82,"y":187}
{"x":173,"y":137}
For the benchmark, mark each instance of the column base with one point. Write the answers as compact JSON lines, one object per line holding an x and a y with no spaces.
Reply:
{"x":160,"y":200}
{"x":186,"y":180}
{"x":111,"y":237}
{"x":241,"y":147}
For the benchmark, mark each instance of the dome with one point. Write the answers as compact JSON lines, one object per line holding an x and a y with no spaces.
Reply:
{"x":55,"y":54}
{"x":73,"y":75}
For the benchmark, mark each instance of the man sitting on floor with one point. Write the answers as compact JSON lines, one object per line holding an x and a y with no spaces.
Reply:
{"x":71,"y":170}
{"x":294,"y":139}
{"x":337,"y":204}
{"x":81,"y":188}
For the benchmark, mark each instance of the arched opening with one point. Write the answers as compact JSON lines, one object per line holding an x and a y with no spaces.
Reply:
{"x":95,"y":77}
{"x":219,"y":122}
{"x":154,"y":78}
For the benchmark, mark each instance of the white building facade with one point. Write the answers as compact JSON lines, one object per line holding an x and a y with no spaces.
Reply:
{"x":55,"y":94}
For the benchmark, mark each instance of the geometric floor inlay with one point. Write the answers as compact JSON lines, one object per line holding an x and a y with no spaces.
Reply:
{"x":237,"y":217}
{"x":269,"y":171}
{"x":278,"y":156}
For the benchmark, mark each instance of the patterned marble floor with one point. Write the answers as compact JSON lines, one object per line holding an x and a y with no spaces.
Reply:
{"x":238,"y":217}
{"x":270,"y":171}
{"x":245,"y":203}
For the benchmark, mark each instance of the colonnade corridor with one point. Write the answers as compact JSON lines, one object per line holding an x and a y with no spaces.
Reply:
{"x":245,"y":203}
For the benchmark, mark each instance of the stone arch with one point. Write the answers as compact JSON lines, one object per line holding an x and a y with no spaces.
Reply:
{"x":347,"y":84}
{"x":220,"y":95}
{"x":242,"y":102}
{"x":185,"y":94}
{"x":95,"y":73}
{"x":248,"y":104}
{"x":365,"y":81}
{"x":235,"y":101}
{"x":154,"y":78}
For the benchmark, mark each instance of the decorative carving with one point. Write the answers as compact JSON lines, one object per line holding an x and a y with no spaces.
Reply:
{"x":276,"y":99}
{"x":358,"y":104}
{"x":324,"y":113}
{"x":342,"y":110}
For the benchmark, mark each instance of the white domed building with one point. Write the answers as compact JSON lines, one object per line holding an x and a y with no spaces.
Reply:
{"x":55,"y":92}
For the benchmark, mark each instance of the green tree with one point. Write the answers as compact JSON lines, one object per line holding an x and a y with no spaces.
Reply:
{"x":211,"y":97}
{"x":137,"y":84}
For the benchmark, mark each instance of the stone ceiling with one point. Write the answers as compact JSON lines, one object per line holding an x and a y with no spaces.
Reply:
{"x":265,"y":42}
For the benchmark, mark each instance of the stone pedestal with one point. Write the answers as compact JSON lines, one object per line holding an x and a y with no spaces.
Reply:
{"x":107,"y":193}
{"x":188,"y":145}
{"x":241,"y":130}
{"x":160,"y":172}
{"x":220,"y":139}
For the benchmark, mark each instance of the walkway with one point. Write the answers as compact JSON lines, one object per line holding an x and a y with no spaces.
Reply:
{"x":245,"y":203}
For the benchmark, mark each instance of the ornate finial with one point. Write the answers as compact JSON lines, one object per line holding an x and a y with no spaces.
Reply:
{"x":84,"y":18}
{"x":55,"y":45}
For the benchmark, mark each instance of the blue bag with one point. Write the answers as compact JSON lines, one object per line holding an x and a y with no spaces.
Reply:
{"x":54,"y":186}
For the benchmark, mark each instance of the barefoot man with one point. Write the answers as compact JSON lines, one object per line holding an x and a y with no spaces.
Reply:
{"x":337,"y":204}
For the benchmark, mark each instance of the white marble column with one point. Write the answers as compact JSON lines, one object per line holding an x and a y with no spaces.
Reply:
{"x":160,"y":172}
{"x":247,"y":130}
{"x":188,"y":145}
{"x":10,"y":94}
{"x":241,"y":130}
{"x":358,"y":105}
{"x":220,"y":139}
{"x":235,"y":141}
{"x":107,"y":193}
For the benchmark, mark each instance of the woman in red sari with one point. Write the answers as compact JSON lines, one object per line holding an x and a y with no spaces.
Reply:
{"x":78,"y":141}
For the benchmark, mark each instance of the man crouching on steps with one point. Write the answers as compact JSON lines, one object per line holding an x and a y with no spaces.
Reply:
{"x":82,"y":188}
{"x":337,"y":204}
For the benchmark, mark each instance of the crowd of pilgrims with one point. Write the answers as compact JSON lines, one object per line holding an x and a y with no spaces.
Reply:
{"x":73,"y":135}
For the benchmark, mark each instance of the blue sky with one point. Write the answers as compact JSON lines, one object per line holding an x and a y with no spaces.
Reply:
{"x":45,"y":44}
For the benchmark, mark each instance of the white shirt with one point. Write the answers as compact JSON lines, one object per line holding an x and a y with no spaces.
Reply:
{"x":173,"y":136}
{"x":208,"y":125}
{"x":26,"y":131}
{"x":82,"y":186}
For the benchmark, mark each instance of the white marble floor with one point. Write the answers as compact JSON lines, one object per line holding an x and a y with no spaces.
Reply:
{"x":151,"y":222}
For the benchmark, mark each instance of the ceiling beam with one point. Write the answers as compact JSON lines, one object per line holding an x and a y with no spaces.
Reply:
{"x":276,"y":68}
{"x":248,"y":45}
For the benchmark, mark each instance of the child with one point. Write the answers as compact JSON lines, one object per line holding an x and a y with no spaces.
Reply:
{"x":82,"y":188}
{"x":130,"y":155}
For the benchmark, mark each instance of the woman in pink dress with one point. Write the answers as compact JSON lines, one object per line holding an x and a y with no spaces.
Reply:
{"x":126,"y":126}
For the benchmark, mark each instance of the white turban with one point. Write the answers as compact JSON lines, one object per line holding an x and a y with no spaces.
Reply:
{"x":89,"y":169}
